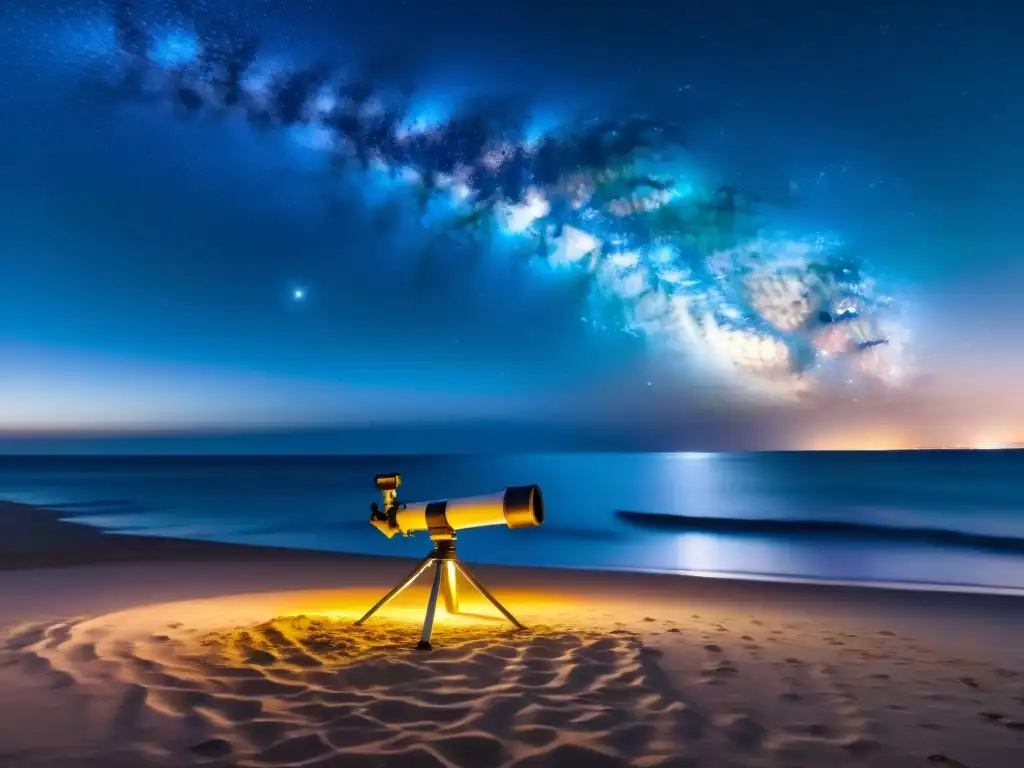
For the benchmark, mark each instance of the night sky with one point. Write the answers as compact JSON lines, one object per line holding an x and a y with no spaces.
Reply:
{"x":187,"y":280}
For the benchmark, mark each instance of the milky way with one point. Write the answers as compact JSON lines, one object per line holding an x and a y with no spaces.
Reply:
{"x":688,"y":266}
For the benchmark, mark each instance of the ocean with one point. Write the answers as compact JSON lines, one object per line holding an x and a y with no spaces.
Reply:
{"x":322,"y":503}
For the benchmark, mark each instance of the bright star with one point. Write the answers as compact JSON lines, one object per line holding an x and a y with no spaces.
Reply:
{"x":299,"y":294}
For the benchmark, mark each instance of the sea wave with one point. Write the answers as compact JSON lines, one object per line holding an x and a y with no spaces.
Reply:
{"x":752,"y":526}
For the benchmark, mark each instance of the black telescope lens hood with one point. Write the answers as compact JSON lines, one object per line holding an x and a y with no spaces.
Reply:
{"x":524,"y":506}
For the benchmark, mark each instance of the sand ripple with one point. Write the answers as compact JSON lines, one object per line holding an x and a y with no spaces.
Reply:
{"x":587,"y":692}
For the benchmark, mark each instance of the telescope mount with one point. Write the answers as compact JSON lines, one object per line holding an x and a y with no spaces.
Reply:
{"x":446,"y":567}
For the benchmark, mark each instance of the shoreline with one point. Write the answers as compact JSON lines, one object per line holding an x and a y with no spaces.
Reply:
{"x":38,"y":537}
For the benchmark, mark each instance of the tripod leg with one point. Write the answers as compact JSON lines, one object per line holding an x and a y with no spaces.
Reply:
{"x":420,"y":568}
{"x":483,"y":591}
{"x":428,"y":622}
{"x":449,"y":588}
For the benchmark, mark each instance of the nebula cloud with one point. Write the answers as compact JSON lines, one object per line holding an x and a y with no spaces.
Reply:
{"x":687,"y":265}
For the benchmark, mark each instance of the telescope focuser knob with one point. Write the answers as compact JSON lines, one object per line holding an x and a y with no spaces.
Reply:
{"x":384,"y":520}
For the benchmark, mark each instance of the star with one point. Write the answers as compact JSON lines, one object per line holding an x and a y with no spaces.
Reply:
{"x":299,"y":294}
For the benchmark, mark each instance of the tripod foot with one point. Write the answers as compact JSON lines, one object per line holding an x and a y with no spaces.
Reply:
{"x":424,"y":645}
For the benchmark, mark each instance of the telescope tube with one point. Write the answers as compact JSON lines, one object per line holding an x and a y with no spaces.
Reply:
{"x":518,"y":507}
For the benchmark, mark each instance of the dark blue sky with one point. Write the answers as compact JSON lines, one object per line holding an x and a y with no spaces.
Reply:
{"x":148,"y":264}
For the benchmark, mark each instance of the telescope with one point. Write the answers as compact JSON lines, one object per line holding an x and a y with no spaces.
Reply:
{"x":521,"y":507}
{"x":517,"y":507}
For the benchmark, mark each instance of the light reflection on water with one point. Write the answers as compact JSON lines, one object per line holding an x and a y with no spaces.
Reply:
{"x":323,"y":503}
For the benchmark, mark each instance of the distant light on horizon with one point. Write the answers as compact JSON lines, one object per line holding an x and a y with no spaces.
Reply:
{"x":995,"y":438}
{"x":878,"y":438}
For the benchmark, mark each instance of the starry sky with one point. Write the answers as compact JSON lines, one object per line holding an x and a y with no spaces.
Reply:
{"x":188,"y":283}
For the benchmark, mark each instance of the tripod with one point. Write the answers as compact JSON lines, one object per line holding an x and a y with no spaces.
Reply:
{"x":446,"y":566}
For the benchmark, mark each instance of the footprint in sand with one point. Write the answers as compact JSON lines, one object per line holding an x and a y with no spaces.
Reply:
{"x":946,"y":761}
{"x":743,"y":731}
{"x":721,"y":669}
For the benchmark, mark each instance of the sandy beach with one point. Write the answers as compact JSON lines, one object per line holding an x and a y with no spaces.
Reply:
{"x":131,"y":651}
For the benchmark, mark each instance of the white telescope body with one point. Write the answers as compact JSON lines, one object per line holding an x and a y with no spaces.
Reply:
{"x":517,"y":507}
